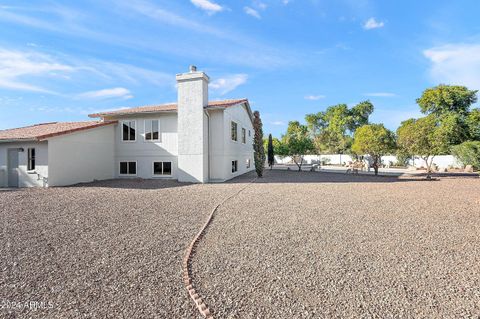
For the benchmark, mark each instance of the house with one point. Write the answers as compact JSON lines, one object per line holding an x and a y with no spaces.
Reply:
{"x":193,"y":140}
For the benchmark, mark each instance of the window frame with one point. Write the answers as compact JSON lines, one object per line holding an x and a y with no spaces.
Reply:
{"x":162,"y":175}
{"x":244,"y":136}
{"x":236,"y":166}
{"x":248,"y":163}
{"x":151,"y":130}
{"x":31,"y":159}
{"x":232,"y":123}
{"x":128,"y":168}
{"x":136,"y":129}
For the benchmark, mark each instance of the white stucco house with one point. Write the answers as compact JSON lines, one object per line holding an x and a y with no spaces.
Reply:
{"x":193,"y":140}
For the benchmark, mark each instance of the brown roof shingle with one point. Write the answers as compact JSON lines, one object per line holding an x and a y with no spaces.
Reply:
{"x":47,"y":130}
{"x":171,"y":107}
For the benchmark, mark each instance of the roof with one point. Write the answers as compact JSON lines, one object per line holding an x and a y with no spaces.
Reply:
{"x":171,"y":107}
{"x":47,"y":130}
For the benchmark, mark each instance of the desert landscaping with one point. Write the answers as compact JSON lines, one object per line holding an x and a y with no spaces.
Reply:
{"x":296,"y":244}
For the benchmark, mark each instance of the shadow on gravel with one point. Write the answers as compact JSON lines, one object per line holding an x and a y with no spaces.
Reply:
{"x":134,"y":183}
{"x":282,"y":176}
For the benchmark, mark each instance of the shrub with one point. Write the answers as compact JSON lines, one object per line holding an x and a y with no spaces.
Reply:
{"x":468,"y":153}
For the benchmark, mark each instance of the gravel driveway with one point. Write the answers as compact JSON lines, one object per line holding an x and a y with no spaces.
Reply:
{"x":104,"y":250}
{"x":320,"y":245}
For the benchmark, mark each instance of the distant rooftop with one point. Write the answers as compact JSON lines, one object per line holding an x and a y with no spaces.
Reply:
{"x":46,"y":130}
{"x":171,"y":107}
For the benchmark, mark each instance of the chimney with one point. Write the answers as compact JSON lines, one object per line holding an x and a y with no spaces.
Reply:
{"x":192,"y":126}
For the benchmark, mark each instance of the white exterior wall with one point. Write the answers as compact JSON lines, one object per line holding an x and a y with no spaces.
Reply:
{"x":146,"y":152}
{"x":218,"y":163}
{"x":25,"y":178}
{"x":82,"y":156}
{"x":234,"y":150}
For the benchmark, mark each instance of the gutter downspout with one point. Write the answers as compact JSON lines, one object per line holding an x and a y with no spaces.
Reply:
{"x":208,"y":144}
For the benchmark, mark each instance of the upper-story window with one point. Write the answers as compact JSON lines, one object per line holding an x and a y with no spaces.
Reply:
{"x":128,"y":130}
{"x":234,"y":131}
{"x":244,"y":136}
{"x":152,"y":130}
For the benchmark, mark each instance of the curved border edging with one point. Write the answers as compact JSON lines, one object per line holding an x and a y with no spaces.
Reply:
{"x":187,"y":260}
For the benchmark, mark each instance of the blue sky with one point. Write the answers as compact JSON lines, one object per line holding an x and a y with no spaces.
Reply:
{"x":60,"y":61}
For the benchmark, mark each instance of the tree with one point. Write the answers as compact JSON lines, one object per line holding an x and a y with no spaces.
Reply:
{"x":259,"y":152}
{"x":468,"y":153}
{"x":444,"y":99}
{"x":296,"y":143}
{"x":374,"y":140}
{"x":332,"y":129}
{"x":421,"y":137}
{"x":271,"y":155}
{"x":473,"y":123}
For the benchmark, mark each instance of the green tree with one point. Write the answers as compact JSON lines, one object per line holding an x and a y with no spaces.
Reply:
{"x":422,"y":137}
{"x":374,"y":140}
{"x":259,"y":152}
{"x":270,"y":152}
{"x":296,"y":143}
{"x":444,"y":99}
{"x":473,"y":123}
{"x":332,"y":129}
{"x":468,"y":153}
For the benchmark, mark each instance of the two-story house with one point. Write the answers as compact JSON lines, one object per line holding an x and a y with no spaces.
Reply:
{"x":193,"y":140}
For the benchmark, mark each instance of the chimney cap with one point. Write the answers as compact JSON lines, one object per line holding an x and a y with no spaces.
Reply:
{"x":193,"y":68}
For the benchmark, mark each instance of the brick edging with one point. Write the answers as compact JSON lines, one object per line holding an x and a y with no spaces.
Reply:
{"x":187,"y":260}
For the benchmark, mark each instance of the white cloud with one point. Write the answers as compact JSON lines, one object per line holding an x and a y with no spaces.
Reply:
{"x":278,"y":123}
{"x":252,"y":12}
{"x":373,"y":24}
{"x":119,"y":92}
{"x":15,"y":66}
{"x":455,"y":64}
{"x":260,"y":5}
{"x":285,"y":2}
{"x":314,"y":97}
{"x":229,"y":83}
{"x":209,"y":6}
{"x":380,"y":94}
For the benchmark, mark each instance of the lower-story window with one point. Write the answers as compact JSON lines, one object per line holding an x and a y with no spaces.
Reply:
{"x":234,"y":166}
{"x":162,"y":168}
{"x":248,"y":163}
{"x":128,"y":168}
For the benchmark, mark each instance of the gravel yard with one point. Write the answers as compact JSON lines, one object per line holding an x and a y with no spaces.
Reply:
{"x":320,"y":245}
{"x":291,"y":245}
{"x":104,"y":250}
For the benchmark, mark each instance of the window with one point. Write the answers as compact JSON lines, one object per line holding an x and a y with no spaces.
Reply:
{"x":128,"y":131}
{"x":249,"y":133}
{"x":234,"y":166}
{"x":151,"y":130}
{"x":244,"y":136}
{"x":128,"y":168}
{"x":162,"y":168}
{"x":248,"y":163}
{"x":31,"y":159}
{"x":234,"y":131}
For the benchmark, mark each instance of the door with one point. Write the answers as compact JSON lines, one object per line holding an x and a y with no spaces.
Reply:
{"x":12,"y":167}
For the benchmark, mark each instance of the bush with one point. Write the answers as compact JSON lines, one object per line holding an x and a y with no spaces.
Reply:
{"x":468,"y":153}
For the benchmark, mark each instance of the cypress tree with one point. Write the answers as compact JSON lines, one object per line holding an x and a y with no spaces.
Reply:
{"x":259,"y":152}
{"x":271,"y":155}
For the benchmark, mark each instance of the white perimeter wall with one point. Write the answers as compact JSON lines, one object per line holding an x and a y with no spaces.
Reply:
{"x":442,"y":161}
{"x":82,"y":156}
{"x":146,"y":152}
{"x":221,"y":167}
{"x":25,"y":179}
